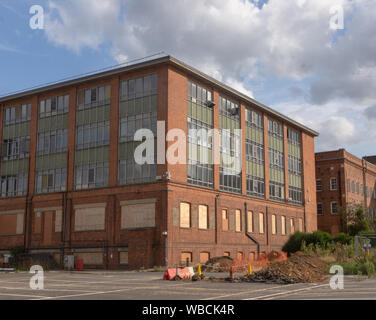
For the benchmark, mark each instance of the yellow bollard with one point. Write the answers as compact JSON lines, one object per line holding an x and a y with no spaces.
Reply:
{"x":199,"y":270}
{"x":368,"y":253}
{"x":249,"y":269}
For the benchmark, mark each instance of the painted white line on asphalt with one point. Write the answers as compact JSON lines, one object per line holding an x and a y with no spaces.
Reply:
{"x":21,"y":295}
{"x":286,"y":292}
{"x":95,"y":293}
{"x":248,"y":291}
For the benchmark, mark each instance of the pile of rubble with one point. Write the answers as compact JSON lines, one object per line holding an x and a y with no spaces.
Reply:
{"x":299,"y":268}
{"x":218,"y":264}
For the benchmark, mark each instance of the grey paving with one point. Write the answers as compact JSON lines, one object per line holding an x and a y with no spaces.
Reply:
{"x":100,"y":285}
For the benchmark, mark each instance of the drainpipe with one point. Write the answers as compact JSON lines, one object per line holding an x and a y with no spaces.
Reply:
{"x":216,"y":218}
{"x":267,"y":226}
{"x":246,"y":231}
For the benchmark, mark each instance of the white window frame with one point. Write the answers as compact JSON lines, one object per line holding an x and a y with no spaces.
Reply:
{"x":331,"y":207}
{"x":330,"y":183}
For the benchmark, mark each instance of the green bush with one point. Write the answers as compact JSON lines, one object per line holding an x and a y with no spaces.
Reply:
{"x":343,"y":238}
{"x":310,"y":240}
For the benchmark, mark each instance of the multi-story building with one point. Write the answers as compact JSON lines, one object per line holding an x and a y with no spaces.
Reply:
{"x":70,"y":183}
{"x":343,"y":180}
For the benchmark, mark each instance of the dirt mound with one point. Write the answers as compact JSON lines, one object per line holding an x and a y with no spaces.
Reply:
{"x":299,"y":268}
{"x":218,"y":264}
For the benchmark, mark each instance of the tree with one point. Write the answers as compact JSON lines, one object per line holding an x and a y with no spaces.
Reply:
{"x":354,"y":219}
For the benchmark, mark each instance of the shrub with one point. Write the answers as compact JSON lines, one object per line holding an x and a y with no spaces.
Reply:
{"x":343,"y":238}
{"x":308,"y":241}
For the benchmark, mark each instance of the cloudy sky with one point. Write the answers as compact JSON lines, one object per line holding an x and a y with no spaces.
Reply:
{"x":285,"y":54}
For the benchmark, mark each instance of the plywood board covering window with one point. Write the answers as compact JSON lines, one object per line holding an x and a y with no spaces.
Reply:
{"x":250,"y":221}
{"x":283,"y":225}
{"x":261,"y":222}
{"x":123,"y":256}
{"x":185,"y":215}
{"x":90,"y":219}
{"x":292,"y":226}
{"x":238,"y":225}
{"x":58,"y":220}
{"x":90,"y":258}
{"x":274,"y":226}
{"x":186,"y":256}
{"x":140,"y":215}
{"x":204,"y":257}
{"x":224,"y":220}
{"x":202,"y":217}
{"x":8,"y":224}
{"x":300,"y":221}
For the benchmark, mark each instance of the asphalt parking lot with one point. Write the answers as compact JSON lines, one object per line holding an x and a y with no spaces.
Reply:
{"x":107,"y":285}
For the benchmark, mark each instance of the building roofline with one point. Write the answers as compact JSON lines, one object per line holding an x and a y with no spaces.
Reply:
{"x":150,"y":63}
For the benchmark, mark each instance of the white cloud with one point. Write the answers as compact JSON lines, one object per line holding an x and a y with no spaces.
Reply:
{"x":237,"y":43}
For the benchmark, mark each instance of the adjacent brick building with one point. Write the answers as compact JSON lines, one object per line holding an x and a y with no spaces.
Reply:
{"x":342,"y":180}
{"x":70,"y":184}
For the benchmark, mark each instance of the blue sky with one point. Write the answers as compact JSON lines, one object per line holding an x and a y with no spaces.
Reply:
{"x":282,"y":53}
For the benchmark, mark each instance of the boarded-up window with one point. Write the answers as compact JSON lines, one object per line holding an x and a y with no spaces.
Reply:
{"x":140,"y":215}
{"x":274,"y":226}
{"x":250,"y":221}
{"x":185,"y":215}
{"x":292,"y":225}
{"x":58,"y":220}
{"x":8,"y":224}
{"x":90,"y":219}
{"x":202,"y":217}
{"x":300,"y":221}
{"x":224,"y":220}
{"x":37,"y":223}
{"x":123,"y":257}
{"x":204,"y":257}
{"x":261,"y":222}
{"x":186,"y":256}
{"x":226,"y":254}
{"x":90,"y":258}
{"x":251,"y":256}
{"x":238,"y":225}
{"x":283,"y":225}
{"x":239,"y":256}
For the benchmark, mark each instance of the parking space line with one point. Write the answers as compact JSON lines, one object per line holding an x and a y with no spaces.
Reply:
{"x":21,"y":295}
{"x":247,"y":292}
{"x":286,"y":292}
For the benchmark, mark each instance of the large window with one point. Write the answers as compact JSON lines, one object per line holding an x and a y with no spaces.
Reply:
{"x":276,"y":190}
{"x":138,"y":88}
{"x":276,"y":161}
{"x":255,"y":186}
{"x":53,"y":180}
{"x":16,"y":148}
{"x":14,"y":185}
{"x":295,"y":195}
{"x":91,"y":175}
{"x":17,"y":114}
{"x":53,"y":106}
{"x":229,"y":180}
{"x":52,"y":142}
{"x":230,"y":146}
{"x":200,"y":144}
{"x":137,"y":110}
{"x":93,"y":97}
{"x":93,"y":135}
{"x":131,"y":172}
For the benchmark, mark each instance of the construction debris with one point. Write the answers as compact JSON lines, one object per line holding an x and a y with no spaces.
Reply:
{"x":299,"y":268}
{"x":218,"y":264}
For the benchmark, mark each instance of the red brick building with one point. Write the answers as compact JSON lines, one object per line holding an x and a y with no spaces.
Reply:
{"x":70,"y":184}
{"x":343,"y":179}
